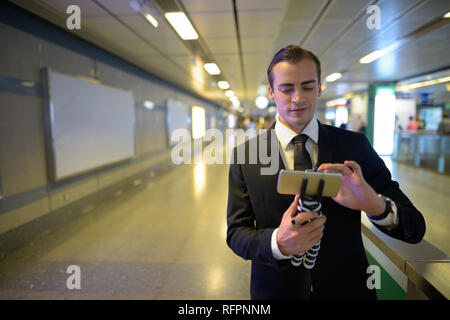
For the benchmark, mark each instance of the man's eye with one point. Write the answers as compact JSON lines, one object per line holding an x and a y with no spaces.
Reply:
{"x":286,"y":90}
{"x":308,"y":88}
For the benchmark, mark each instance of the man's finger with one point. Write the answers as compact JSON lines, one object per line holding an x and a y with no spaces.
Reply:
{"x":330,"y":170}
{"x":318,"y":224}
{"x":303,"y":217}
{"x":321,"y":167}
{"x":339,"y":168}
{"x":355,"y":166}
{"x":294,"y":204}
{"x":292,"y":210}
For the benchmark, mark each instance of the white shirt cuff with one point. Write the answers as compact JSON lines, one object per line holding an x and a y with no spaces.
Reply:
{"x":275,"y":250}
{"x":391,"y":220}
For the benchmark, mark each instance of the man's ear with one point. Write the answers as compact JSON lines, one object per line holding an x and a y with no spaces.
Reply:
{"x":271,"y":96}
{"x":319,"y":93}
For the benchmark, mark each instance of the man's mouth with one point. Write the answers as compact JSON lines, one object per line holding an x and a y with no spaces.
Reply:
{"x":298,"y":109}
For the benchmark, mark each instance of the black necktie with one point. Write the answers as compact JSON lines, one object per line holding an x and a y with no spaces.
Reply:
{"x":302,"y":160}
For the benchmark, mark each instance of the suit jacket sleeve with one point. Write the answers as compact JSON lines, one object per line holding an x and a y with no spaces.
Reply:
{"x":411,"y":227}
{"x":243,"y":237}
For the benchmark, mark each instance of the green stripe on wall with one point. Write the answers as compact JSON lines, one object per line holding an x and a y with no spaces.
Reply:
{"x":390,"y":290}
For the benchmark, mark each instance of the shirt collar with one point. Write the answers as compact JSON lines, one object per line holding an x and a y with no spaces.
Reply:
{"x":285,"y":134}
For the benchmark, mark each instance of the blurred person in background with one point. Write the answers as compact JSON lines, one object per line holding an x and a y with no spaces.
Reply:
{"x":412,"y":125}
{"x":360,"y":126}
{"x":444,"y":125}
{"x":420,"y":123}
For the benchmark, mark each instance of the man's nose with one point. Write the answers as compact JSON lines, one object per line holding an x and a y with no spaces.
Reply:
{"x":297,"y":97}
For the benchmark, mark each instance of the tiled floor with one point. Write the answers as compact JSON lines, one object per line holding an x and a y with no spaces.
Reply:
{"x":430,"y":193}
{"x":168,"y":242}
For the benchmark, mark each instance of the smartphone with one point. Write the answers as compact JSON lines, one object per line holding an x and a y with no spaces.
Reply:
{"x":290,"y":182}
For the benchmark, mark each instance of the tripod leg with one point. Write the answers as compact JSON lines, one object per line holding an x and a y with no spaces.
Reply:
{"x":303,"y":187}
{"x":302,"y":195}
{"x":320,"y":190}
{"x":298,"y":259}
{"x":311,"y":203}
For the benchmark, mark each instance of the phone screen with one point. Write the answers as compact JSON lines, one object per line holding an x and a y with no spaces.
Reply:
{"x":290,"y":182}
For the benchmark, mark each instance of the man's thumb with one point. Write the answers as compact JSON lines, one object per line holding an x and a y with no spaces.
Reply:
{"x":292,"y":210}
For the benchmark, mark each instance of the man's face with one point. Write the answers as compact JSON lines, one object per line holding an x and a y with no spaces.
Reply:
{"x":295,"y":91}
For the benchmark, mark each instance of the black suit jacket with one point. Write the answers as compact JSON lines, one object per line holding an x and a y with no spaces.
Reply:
{"x":255,"y":209}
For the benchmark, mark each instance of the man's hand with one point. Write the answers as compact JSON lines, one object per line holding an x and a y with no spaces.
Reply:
{"x":293,"y":239}
{"x":355,"y":193}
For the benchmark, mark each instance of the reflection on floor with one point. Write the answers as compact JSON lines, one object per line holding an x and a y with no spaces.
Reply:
{"x":168,"y":242}
{"x":429,"y":191}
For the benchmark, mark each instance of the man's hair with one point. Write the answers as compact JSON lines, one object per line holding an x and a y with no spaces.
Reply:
{"x":292,"y":54}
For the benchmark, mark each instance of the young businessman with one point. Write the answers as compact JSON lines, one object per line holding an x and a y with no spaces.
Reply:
{"x":262,"y":225}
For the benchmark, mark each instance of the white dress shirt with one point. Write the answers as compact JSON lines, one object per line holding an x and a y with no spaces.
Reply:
{"x":284,"y":136}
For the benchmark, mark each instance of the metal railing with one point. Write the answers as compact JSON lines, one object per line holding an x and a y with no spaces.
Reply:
{"x":423,"y":148}
{"x":425,"y":266}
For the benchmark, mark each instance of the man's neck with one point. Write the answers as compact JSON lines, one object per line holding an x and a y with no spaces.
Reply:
{"x":297,"y":130}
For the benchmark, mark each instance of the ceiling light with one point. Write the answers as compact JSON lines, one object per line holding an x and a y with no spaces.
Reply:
{"x":182,"y":25}
{"x":149,"y":105}
{"x":447,"y":15}
{"x":27,"y":83}
{"x":236,"y":103}
{"x":229,"y":93}
{"x":262,"y":102}
{"x":379,"y":53}
{"x":145,"y":9}
{"x":416,"y":85}
{"x":212,"y":68}
{"x":333,"y":77}
{"x":152,"y":20}
{"x":372,"y":56}
{"x":223,"y":85}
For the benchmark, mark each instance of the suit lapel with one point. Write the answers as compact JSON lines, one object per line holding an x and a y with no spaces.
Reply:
{"x":267,"y":139}
{"x":325,"y":145}
{"x":271,"y":192}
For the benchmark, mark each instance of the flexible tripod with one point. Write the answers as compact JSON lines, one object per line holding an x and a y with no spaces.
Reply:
{"x":309,"y":203}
